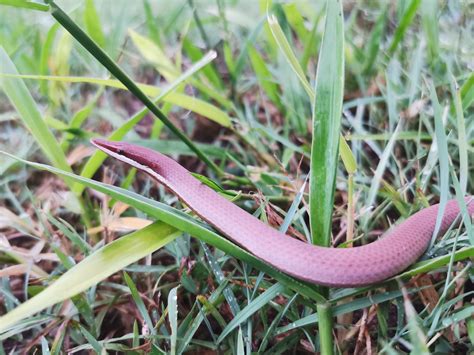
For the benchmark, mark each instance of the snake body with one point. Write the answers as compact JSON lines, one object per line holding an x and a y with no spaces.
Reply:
{"x":341,"y":267}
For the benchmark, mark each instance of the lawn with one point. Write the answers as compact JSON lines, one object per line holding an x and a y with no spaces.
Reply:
{"x":330,"y":121}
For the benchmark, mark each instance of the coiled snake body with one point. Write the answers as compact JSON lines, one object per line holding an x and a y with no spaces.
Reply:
{"x":343,"y":267}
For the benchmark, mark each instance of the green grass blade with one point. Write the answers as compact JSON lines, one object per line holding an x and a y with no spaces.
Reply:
{"x":264,"y":76}
{"x":185,"y":101}
{"x":381,"y":167}
{"x":429,"y":17}
{"x":46,"y":54}
{"x":405,"y":22}
{"x":154,"y":54}
{"x":251,"y":308}
{"x":462,"y":138}
{"x":289,"y":54}
{"x":441,"y":141}
{"x":373,"y":45}
{"x":327,"y":124}
{"x":195,"y":54}
{"x":98,"y":266}
{"x":25,"y":4}
{"x":346,"y":154}
{"x":139,"y":302}
{"x":93,"y":24}
{"x":116,"y":71}
{"x":23,"y":102}
{"x":467,"y":92}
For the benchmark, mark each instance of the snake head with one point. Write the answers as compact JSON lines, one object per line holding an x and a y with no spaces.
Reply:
{"x":114,"y":147}
{"x":137,"y":156}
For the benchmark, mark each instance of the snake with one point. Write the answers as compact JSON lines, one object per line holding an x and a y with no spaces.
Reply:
{"x":357,"y":266}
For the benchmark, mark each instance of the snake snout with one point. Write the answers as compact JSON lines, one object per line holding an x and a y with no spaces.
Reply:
{"x":115,"y":147}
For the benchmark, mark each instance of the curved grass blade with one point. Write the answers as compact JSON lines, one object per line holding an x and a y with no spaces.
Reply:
{"x":98,"y":266}
{"x":187,"y":102}
{"x":289,"y":54}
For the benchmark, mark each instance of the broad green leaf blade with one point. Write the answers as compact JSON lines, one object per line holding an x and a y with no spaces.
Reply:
{"x":98,"y":266}
{"x":21,"y":98}
{"x":185,"y":223}
{"x":327,"y":124}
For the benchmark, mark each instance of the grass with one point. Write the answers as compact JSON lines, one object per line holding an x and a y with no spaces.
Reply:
{"x":250,"y":96}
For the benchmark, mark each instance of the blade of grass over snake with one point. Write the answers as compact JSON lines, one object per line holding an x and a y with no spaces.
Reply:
{"x":116,"y":71}
{"x":98,"y":266}
{"x":184,"y":223}
{"x":96,"y":160}
{"x":327,"y":111}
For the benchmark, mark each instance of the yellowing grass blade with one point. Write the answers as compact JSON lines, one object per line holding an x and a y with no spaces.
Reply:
{"x":95,"y":268}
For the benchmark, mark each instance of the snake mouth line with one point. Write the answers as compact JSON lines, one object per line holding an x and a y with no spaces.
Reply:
{"x":122,"y":152}
{"x":114,"y":147}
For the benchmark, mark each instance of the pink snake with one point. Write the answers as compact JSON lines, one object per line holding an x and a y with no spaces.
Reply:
{"x":341,"y":267}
